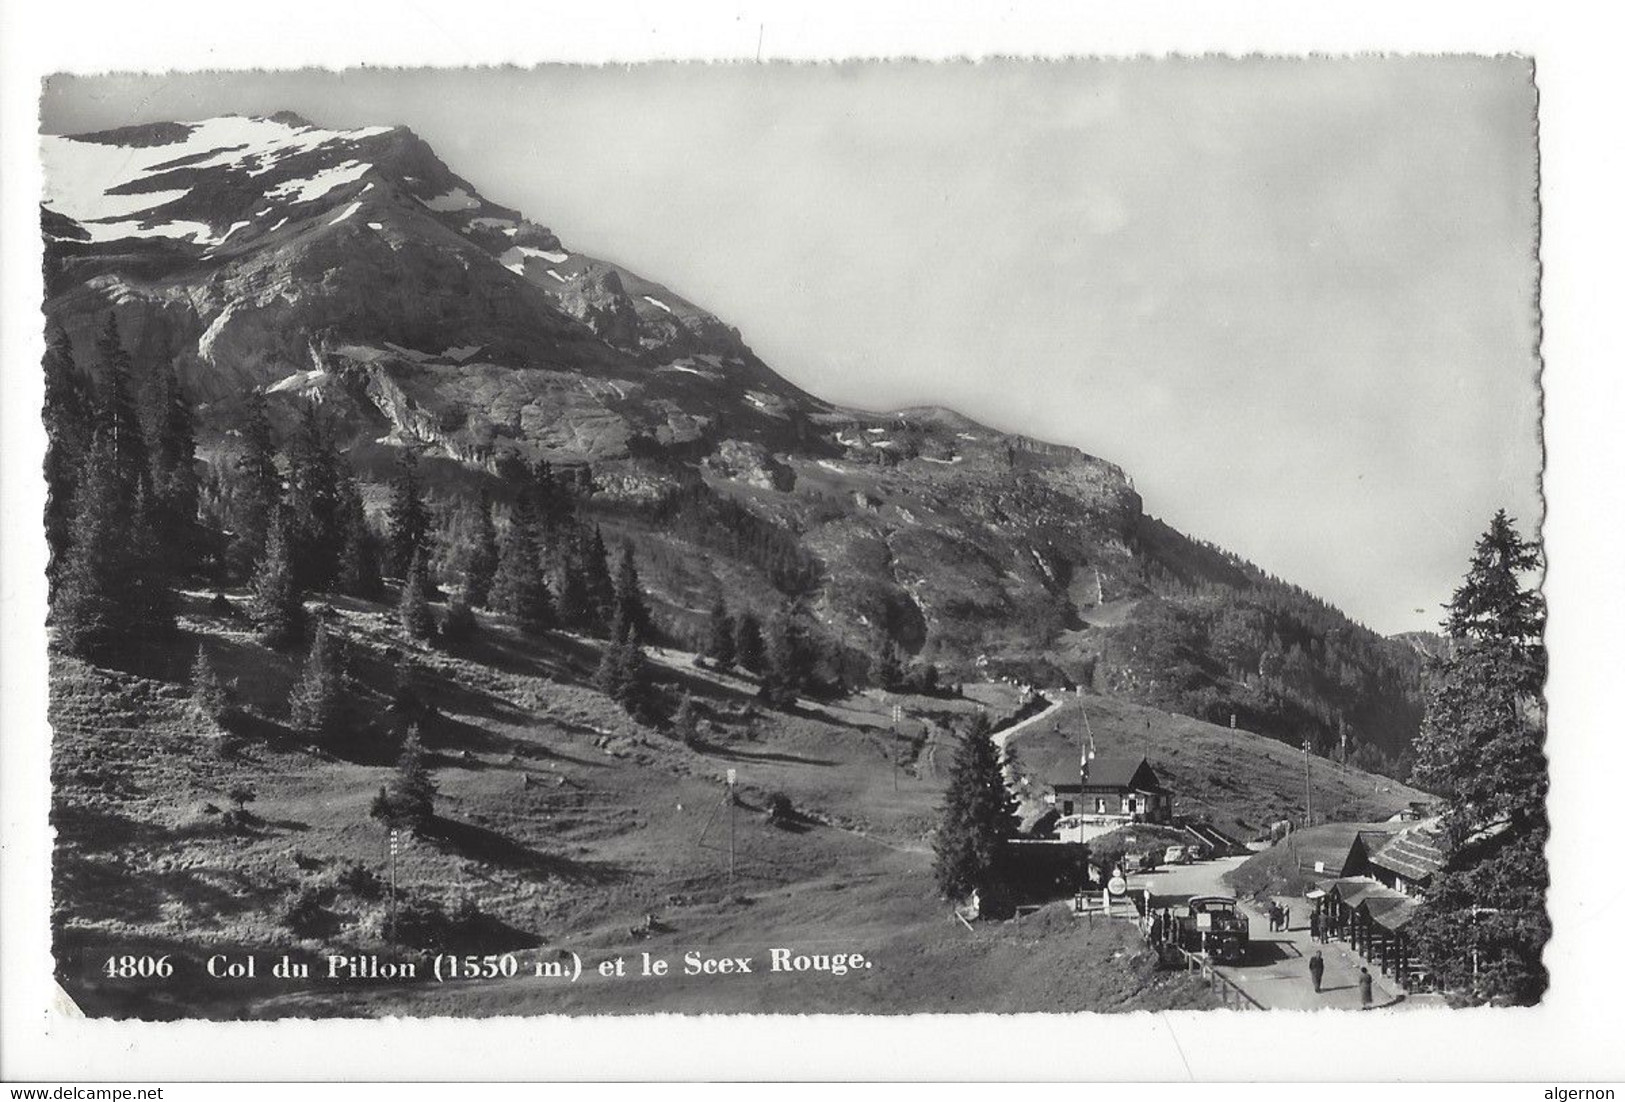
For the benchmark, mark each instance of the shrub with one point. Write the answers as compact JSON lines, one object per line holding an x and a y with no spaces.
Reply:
{"x":686,"y":723}
{"x":302,"y":911}
{"x":360,"y":881}
{"x":460,"y":623}
{"x":780,"y":809}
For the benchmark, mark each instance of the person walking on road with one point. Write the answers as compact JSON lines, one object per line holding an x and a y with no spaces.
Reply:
{"x":1317,"y":969}
{"x":1314,"y":925}
{"x":1365,"y":988}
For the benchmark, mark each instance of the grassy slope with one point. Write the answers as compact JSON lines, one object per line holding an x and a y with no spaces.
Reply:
{"x":1240,"y":781}
{"x":615,"y":822}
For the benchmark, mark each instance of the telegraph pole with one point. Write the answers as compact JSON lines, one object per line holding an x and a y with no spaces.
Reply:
{"x":1308,"y":813}
{"x":896,"y":750}
{"x":394,"y":844}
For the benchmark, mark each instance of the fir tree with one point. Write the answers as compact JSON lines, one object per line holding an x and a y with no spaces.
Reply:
{"x":889,"y":669}
{"x":749,"y":650}
{"x":577,"y":610}
{"x":483,"y":557}
{"x":788,"y":659}
{"x":978,"y":817}
{"x":209,"y":696}
{"x":171,"y":448}
{"x":118,"y":415}
{"x":315,"y":505}
{"x":1483,"y":924}
{"x":631,"y":612}
{"x":719,"y":648}
{"x":359,"y":574}
{"x":95,"y":608}
{"x":624,"y":674}
{"x":67,"y":417}
{"x":257,"y":497}
{"x":415,"y":615}
{"x":276,"y":605}
{"x":315,"y":705}
{"x":600,"y":585}
{"x":408,"y":516}
{"x":412,"y":793}
{"x":519,"y":587}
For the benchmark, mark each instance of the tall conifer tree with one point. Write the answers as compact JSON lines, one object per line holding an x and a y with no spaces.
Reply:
{"x":67,"y":417}
{"x":408,"y":515}
{"x":1483,"y":924}
{"x":483,"y":556}
{"x":257,"y":494}
{"x":978,"y":817}
{"x":277,"y":605}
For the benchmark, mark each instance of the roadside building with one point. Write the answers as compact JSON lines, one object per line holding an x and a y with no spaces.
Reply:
{"x":1123,"y":789}
{"x":1408,"y":861}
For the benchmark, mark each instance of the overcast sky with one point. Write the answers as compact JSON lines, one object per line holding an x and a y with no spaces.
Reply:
{"x":1295,"y":300}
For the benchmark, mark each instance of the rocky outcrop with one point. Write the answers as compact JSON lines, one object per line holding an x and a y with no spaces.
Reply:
{"x":597,"y":298}
{"x":751,"y":464}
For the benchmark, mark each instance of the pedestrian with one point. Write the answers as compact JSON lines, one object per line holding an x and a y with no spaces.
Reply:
{"x":1286,"y":919}
{"x":1314,"y":925}
{"x":1317,"y":969}
{"x":1365,"y":989}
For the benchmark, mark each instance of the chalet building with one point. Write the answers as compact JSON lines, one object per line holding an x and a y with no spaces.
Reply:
{"x":1407,"y":862}
{"x":1123,"y":788}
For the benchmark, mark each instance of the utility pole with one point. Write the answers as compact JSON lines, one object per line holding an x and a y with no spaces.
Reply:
{"x":896,"y":749}
{"x":394,"y":844}
{"x":1308,"y":813}
{"x":732,"y":777}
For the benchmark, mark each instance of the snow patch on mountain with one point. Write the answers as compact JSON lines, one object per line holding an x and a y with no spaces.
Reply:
{"x":514,"y":258}
{"x":652,"y":301}
{"x":455,"y":199}
{"x":295,"y":382}
{"x":304,"y":189}
{"x":345,"y":213}
{"x":81,"y":171}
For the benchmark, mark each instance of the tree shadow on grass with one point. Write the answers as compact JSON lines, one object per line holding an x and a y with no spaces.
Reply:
{"x":479,"y":843}
{"x":734,"y":753}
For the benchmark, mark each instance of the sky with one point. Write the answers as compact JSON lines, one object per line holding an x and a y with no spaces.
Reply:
{"x":1296,"y":300}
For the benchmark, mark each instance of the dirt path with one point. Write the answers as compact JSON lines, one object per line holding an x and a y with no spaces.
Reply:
{"x":1002,"y":738}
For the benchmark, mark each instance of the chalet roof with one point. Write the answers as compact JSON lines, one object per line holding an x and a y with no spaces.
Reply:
{"x":1352,"y":892}
{"x":1413,"y":854}
{"x":1120,"y":772}
{"x":1389,"y":909}
{"x":1333,"y":845}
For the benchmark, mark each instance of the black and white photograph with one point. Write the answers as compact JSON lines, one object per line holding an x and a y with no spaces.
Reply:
{"x":976,"y":546}
{"x":869,"y":538}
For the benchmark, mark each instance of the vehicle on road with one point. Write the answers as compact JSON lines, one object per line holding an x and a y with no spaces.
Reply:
{"x":1213,"y":925}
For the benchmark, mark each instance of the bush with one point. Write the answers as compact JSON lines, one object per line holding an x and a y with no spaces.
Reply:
{"x":686,"y":723}
{"x":360,"y":881}
{"x":421,"y":923}
{"x":302,"y":912}
{"x":780,"y":809}
{"x":460,"y":623}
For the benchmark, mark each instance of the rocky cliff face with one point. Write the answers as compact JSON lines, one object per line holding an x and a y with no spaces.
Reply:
{"x":356,"y":269}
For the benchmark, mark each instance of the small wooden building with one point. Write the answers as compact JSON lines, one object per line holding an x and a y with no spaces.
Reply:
{"x":1408,"y":861}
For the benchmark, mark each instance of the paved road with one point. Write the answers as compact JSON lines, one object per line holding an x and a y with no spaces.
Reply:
{"x":1277,"y":969}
